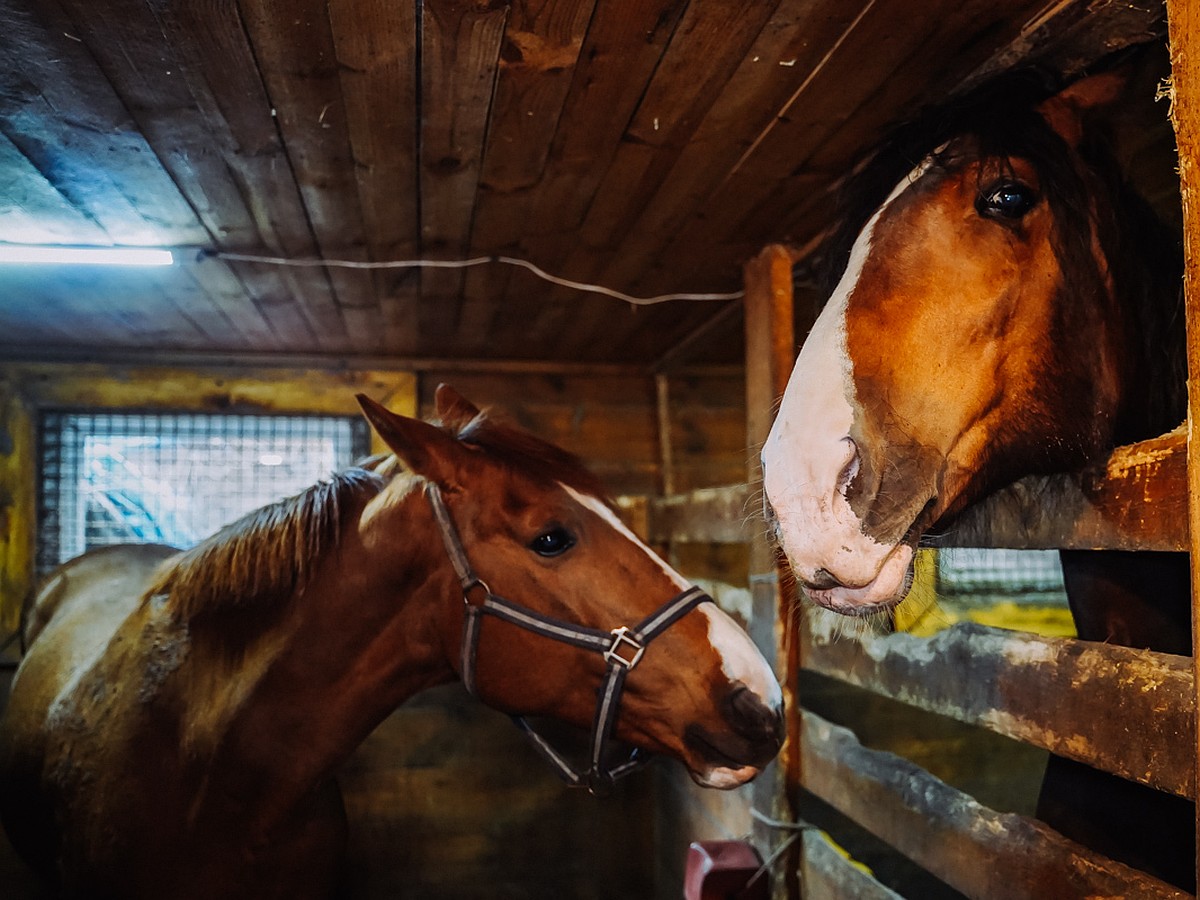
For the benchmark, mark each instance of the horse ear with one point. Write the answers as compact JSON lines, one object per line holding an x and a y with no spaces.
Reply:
{"x":455,"y":410}
{"x":424,"y":448}
{"x":1065,"y":111}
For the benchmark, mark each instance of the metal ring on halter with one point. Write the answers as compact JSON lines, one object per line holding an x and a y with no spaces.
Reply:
{"x":469,"y":586}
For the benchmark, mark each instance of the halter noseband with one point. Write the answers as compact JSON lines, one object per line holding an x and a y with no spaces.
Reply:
{"x":622,"y":649}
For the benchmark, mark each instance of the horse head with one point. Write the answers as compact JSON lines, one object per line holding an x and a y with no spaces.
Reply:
{"x":538,"y":541}
{"x":979,"y":332}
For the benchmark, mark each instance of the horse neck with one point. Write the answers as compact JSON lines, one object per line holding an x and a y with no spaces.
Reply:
{"x":358,"y":639}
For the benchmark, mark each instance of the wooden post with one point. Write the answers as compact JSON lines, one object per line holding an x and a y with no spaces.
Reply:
{"x":1183,"y":18}
{"x":770,"y":352}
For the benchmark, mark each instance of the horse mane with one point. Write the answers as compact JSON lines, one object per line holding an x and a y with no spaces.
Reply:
{"x":1143,"y":254}
{"x":267,"y":554}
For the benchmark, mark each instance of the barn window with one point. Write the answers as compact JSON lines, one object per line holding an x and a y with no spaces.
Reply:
{"x":175,"y":478}
{"x":968,"y":570}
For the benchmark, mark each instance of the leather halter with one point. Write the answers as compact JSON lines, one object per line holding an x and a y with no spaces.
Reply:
{"x":622,"y":649}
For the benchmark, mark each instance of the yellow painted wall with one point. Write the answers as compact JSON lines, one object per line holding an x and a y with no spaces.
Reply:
{"x":26,"y":389}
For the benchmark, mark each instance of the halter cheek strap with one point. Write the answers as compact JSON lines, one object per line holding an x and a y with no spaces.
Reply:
{"x":622,"y":649}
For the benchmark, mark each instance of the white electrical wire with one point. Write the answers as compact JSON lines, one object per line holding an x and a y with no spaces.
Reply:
{"x":475,"y":261}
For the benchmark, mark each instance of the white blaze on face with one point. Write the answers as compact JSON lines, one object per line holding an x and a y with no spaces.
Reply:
{"x":741,"y":660}
{"x":809,"y":458}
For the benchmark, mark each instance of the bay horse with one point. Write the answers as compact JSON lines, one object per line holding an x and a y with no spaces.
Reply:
{"x":177,"y":721}
{"x":1001,"y":304}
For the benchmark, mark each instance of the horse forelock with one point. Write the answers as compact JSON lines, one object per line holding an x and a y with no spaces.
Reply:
{"x":267,"y":555}
{"x":532,"y":457}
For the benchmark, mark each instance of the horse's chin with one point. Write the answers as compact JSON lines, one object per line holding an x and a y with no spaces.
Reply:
{"x":724,"y":779}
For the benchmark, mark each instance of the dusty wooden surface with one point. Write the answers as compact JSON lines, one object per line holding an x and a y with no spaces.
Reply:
{"x":1184,"y":20}
{"x":983,"y":854}
{"x":1135,"y":499}
{"x":1130,"y":711}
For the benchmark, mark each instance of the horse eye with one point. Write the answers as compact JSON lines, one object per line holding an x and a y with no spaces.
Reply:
{"x":1006,"y":200}
{"x":554,"y":542}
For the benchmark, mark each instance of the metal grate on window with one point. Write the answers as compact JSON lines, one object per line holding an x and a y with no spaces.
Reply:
{"x":963,"y":571}
{"x":110,"y":478}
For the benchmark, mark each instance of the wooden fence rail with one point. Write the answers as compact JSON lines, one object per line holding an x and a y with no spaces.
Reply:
{"x":979,"y":852}
{"x":1131,"y":712}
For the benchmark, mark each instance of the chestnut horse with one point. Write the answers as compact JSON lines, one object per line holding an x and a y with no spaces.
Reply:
{"x":176,"y":724}
{"x":1003,"y":305}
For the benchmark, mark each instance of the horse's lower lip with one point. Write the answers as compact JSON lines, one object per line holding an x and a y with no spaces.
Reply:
{"x":723,"y":778}
{"x":831,"y":601}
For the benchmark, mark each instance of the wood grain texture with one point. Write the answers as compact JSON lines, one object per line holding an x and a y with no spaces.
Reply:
{"x":650,"y":146}
{"x":1134,"y":718}
{"x":1184,"y":20}
{"x":984,"y":854}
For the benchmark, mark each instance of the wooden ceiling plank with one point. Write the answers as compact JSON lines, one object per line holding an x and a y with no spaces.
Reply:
{"x":32,"y":211}
{"x":293,"y":45}
{"x":541,"y":48}
{"x":625,"y":41}
{"x":62,"y":112}
{"x":137,"y":58}
{"x":105,"y":306}
{"x":215,"y":58}
{"x":128,"y":42}
{"x":675,"y":106}
{"x":459,"y":62}
{"x":786,"y":53}
{"x":376,"y":46}
{"x":676,"y":101}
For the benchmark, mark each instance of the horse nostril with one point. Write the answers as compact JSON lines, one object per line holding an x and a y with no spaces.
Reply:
{"x":758,"y":723}
{"x":850,"y":469}
{"x":822,"y":580}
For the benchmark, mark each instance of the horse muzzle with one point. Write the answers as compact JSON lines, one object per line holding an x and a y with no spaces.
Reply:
{"x":735,"y":754}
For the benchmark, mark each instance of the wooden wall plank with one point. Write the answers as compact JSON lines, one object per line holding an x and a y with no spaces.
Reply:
{"x":1184,"y":23}
{"x":608,"y":421}
{"x":1134,"y":718}
{"x":983,"y":854}
{"x":770,"y":348}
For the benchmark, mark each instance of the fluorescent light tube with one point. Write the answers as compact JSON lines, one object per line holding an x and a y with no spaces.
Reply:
{"x":90,"y":256}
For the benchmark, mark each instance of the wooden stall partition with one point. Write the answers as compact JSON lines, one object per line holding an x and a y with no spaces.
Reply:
{"x":770,"y":350}
{"x":1183,"y":20}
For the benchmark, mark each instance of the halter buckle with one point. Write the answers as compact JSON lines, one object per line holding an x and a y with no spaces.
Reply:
{"x":624,"y":641}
